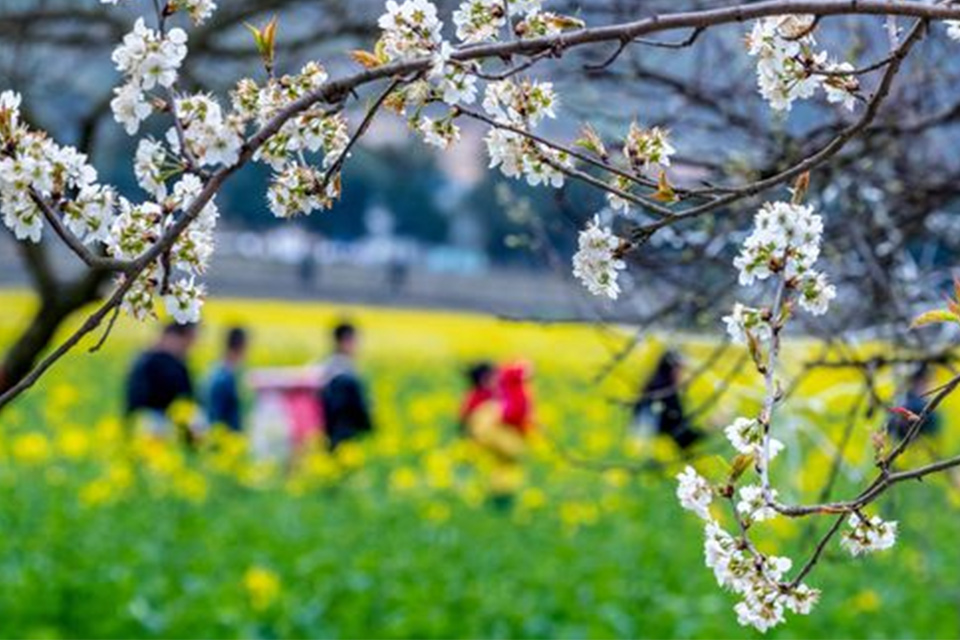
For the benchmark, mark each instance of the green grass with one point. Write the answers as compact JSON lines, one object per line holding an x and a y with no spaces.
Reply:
{"x":356,"y":555}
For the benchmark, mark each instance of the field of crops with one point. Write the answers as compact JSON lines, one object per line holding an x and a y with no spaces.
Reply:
{"x":104,"y":537}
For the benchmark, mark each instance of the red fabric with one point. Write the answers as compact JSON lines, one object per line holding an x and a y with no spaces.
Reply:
{"x":305,"y":415}
{"x":516,"y":398}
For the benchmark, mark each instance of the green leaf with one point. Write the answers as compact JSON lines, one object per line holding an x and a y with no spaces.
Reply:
{"x":937,"y":316}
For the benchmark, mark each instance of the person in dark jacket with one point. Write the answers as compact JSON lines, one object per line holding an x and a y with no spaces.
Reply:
{"x":660,"y":405}
{"x":160,"y":376}
{"x":342,"y":395}
{"x":223,"y":387}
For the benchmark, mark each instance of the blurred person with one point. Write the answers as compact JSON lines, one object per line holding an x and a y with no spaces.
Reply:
{"x":346,"y":414}
{"x":482,"y":378}
{"x":500,"y":425}
{"x":223,"y":396}
{"x":159,"y":389}
{"x":914,"y":401}
{"x":660,"y":409}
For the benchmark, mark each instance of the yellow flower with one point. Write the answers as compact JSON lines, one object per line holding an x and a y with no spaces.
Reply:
{"x":866,"y":601}
{"x":350,"y":455}
{"x":73,"y":442}
{"x":439,"y":470}
{"x":576,"y":514}
{"x":191,"y":486}
{"x":437,"y":512}
{"x":31,"y":448}
{"x":403,"y":479}
{"x":617,"y":478}
{"x":262,"y":586}
{"x":63,"y":396}
{"x":532,"y":498}
{"x":183,"y":412}
{"x":109,"y":430}
{"x":97,"y":492}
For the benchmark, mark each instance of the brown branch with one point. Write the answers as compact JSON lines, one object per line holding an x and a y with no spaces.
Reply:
{"x":92,"y":260}
{"x":641,"y":233}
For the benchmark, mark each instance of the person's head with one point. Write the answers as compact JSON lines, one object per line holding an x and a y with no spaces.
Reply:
{"x":482,"y":375}
{"x":667,"y":372}
{"x":345,"y":339}
{"x":178,"y":338}
{"x":236,"y":344}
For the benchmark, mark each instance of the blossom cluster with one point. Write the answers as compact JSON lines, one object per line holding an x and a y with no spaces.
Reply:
{"x":37,"y":173}
{"x":785,"y":242}
{"x":486,"y":20}
{"x":784,"y":245}
{"x":789,"y":67}
{"x":521,"y":105}
{"x":33,"y":168}
{"x":868,"y":534}
{"x":411,"y":29}
{"x":737,"y":565}
{"x":209,"y":138}
{"x":647,"y":148}
{"x":147,"y":59}
{"x":596,"y":263}
{"x":298,"y":187}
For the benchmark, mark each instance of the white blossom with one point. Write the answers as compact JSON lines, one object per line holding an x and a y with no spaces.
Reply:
{"x":753,"y":505}
{"x":648,"y":148}
{"x":762,"y":611}
{"x":455,"y":84}
{"x":135,"y":229}
{"x":297,"y":191}
{"x":953,"y":29}
{"x":199,"y":10}
{"x":542,"y":24}
{"x":439,"y":133}
{"x":411,"y":29}
{"x":22,"y":216}
{"x":147,"y":59}
{"x":867,"y":535}
{"x":781,"y":49}
{"x":517,"y":156}
{"x":210,"y":138}
{"x":479,"y":20}
{"x":130,"y":107}
{"x":747,"y":321}
{"x":523,"y":103}
{"x":90,"y":215}
{"x":139,"y":299}
{"x":312,"y":131}
{"x":746,"y":436}
{"x":149,"y":167}
{"x":694,"y":492}
{"x":786,"y":237}
{"x":184,"y":300}
{"x":596,"y":263}
{"x":841,"y":89}
{"x":801,"y":599}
